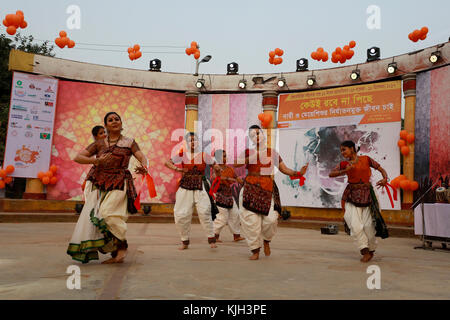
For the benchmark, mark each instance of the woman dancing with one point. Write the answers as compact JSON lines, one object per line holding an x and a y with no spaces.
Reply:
{"x":192,"y":191}
{"x":110,"y":195}
{"x":359,"y":201}
{"x":228,"y":209}
{"x":260,"y":198}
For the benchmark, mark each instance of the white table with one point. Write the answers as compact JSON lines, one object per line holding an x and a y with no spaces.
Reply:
{"x":437,"y":220}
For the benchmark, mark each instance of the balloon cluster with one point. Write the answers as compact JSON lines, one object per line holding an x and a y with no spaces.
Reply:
{"x":63,"y":40}
{"x":402,"y":182}
{"x":48,"y":177}
{"x":343,"y":54}
{"x":193,"y":49}
{"x":417,"y":35}
{"x":12,"y":22}
{"x":265,"y":118}
{"x":405,"y":138}
{"x":273,"y":59}
{"x":319,"y":55}
{"x":134,"y":53}
{"x":4,"y":176}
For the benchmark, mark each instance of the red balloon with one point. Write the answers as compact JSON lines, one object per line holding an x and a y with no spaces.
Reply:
{"x":261,"y":116}
{"x":53,"y":168}
{"x":343,"y":59}
{"x":416,"y":34}
{"x":411,"y":37}
{"x":313,"y":55}
{"x":346,"y":48}
{"x":280,"y":60}
{"x":351,"y":53}
{"x":271,"y":60}
{"x":423,"y":36}
{"x":53,"y":180}
{"x":136,"y":47}
{"x":65,"y":41}
{"x":346,"y":54}
{"x":319,"y":49}
{"x":138,"y":54}
{"x":194,"y":45}
{"x":8,"y":179}
{"x":2,"y":173}
{"x":49,"y":174}
{"x":338,"y":50}
{"x":19,"y":13}
{"x":395,"y":184}
{"x":5,"y":23}
{"x":352,"y":44}
{"x":278,"y":52}
{"x":404,"y":184}
{"x":334,"y":59}
{"x":403,"y":134}
{"x":272,"y":54}
{"x":410,"y":138}
{"x":424,"y":30}
{"x":325,"y":57}
{"x":130,"y":50}
{"x":281,"y":52}
{"x":404,"y":150}
{"x":9,"y":169}
{"x":71,"y":44}
{"x":401,"y":143}
{"x":41,"y":175}
{"x":132,"y":56}
{"x":268,"y":116}
{"x":414,"y":185}
{"x":45,"y":180}
{"x":197,"y":55}
{"x":2,"y":184}
{"x":24,"y":24}
{"x":11,"y":30}
{"x":62,"y":34}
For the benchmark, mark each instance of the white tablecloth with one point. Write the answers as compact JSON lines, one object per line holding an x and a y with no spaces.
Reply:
{"x":437,"y":219}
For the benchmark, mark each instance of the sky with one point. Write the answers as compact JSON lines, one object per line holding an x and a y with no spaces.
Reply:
{"x":230,"y":31}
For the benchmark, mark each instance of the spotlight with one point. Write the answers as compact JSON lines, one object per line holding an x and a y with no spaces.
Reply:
{"x":392,"y":67}
{"x":302,"y":64}
{"x":355,"y":74}
{"x":242,"y":84}
{"x":155,"y":65}
{"x":79,"y":207}
{"x":147,"y":209}
{"x":311,"y":80}
{"x":435,"y":56}
{"x":232,"y":68}
{"x":373,"y":54}
{"x":281,"y":82}
{"x":200,"y":83}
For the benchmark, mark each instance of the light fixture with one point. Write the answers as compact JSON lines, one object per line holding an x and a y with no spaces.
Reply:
{"x":392,"y":67}
{"x":155,"y":65}
{"x":242,"y":83}
{"x":435,"y":56}
{"x":200,"y":83}
{"x":232,"y":68}
{"x":355,"y":74}
{"x":311,"y":80}
{"x":197,"y":64}
{"x":281,"y":82}
{"x":373,"y":54}
{"x":302,"y":64}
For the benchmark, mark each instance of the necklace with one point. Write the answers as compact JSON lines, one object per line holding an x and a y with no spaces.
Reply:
{"x":109,"y":141}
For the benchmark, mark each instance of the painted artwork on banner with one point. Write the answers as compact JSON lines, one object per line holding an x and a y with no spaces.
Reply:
{"x":30,"y":126}
{"x":149,"y":116}
{"x":320,"y":147}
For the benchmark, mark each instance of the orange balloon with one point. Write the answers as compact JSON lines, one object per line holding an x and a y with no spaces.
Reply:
{"x":424,"y":30}
{"x":24,"y":24}
{"x":416,"y":34}
{"x":278,"y":51}
{"x":343,"y":59}
{"x":2,"y":184}
{"x":53,"y":168}
{"x":411,"y":37}
{"x":319,"y":49}
{"x":41,"y":175}
{"x":272,"y":54}
{"x":403,"y":134}
{"x":395,"y":184}
{"x":334,"y":59}
{"x":410,"y":138}
{"x":136,"y":47}
{"x":401,"y":143}
{"x":65,"y":41}
{"x":8,"y":179}
{"x":2,"y":173}
{"x":404,"y":184}
{"x":188,"y":51}
{"x":45,"y":180}
{"x":423,"y":36}
{"x":138,"y":54}
{"x":280,"y":60}
{"x":59,"y":43}
{"x":347,"y":54}
{"x":11,"y":30}
{"x":271,"y":60}
{"x":325,"y":57}
{"x":268,"y":116}
{"x":194,"y":45}
{"x":352,"y":44}
{"x":314,"y":55}
{"x":351,"y":53}
{"x":130,"y":50}
{"x":197,"y":55}
{"x":281,"y":52}
{"x":16,"y":20}
{"x":71,"y":44}
{"x":414,"y":185}
{"x":19,"y":13}
{"x":261,"y":116}
{"x":62,"y":34}
{"x":404,"y":150}
{"x":10,"y":18}
{"x":9,"y":169}
{"x":132,"y":56}
{"x":338,"y":50}
{"x":402,"y":177}
{"x":346,"y":48}
{"x":49,"y":174}
{"x":53,"y":180}
{"x":5,"y":23}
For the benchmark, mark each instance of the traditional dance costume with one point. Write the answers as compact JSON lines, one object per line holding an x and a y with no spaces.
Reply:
{"x":193,"y":191}
{"x":109,"y":197}
{"x":259,"y":200}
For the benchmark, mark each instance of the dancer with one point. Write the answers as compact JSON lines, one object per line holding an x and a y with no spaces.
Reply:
{"x":228,"y":209}
{"x":193,"y":191}
{"x":359,"y":201}
{"x":110,"y":195}
{"x":98,"y":132}
{"x":260,"y":198}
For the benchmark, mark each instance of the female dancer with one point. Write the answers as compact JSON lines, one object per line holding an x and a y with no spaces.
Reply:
{"x":359,"y":200}
{"x":98,"y":132}
{"x":260,"y":198}
{"x":228,"y":209}
{"x":192,"y":191}
{"x":110,"y":195}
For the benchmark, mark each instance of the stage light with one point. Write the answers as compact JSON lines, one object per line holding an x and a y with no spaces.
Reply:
{"x":311,"y":80}
{"x":373,"y":54}
{"x":355,"y":74}
{"x":435,"y":56}
{"x":242,"y":84}
{"x":302,"y":64}
{"x":232,"y":68}
{"x":281,"y":82}
{"x":392,"y":67}
{"x":155,"y":65}
{"x":200,"y":83}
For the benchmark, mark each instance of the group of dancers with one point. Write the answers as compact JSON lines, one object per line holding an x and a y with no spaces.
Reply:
{"x":110,"y":194}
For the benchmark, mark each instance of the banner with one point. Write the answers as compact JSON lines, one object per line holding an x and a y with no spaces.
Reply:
{"x":361,"y":104}
{"x":315,"y":136}
{"x":30,"y":125}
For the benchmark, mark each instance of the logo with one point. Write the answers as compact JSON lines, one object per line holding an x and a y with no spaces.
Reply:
{"x":35,"y":118}
{"x":39,"y":128}
{"x":49,"y":104}
{"x":45,"y":136}
{"x":45,"y":111}
{"x":47,"y":95}
{"x":14,"y":133}
{"x":47,"y":129}
{"x":19,"y":84}
{"x":15,"y":125}
{"x":20,"y":93}
{"x":31,"y":95}
{"x":29,"y":126}
{"x":28,"y":134}
{"x":33,"y":87}
{"x":49,"y":90}
{"x":27,"y":117}
{"x":16,"y":116}
{"x":26,"y":155}
{"x":34,"y":110}
{"x":19,"y":108}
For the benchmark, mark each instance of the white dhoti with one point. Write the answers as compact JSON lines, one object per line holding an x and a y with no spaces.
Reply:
{"x":257,"y":227}
{"x":185,"y":200}
{"x":362,"y":226}
{"x":228,"y":216}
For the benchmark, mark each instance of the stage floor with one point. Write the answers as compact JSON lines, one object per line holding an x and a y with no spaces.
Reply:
{"x":304,"y":265}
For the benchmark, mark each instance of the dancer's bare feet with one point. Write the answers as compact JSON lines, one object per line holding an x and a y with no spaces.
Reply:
{"x":183,"y":246}
{"x":213,"y":245}
{"x":366,"y":256}
{"x":238,"y":238}
{"x":109,"y":261}
{"x":371,"y":253}
{"x":266,"y":248}
{"x":121,"y":254}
